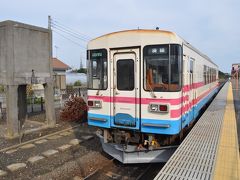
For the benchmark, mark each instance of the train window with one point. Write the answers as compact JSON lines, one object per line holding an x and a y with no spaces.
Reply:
{"x":211,"y":77}
{"x":125,"y":74}
{"x":162,"y":67}
{"x":97,"y":75}
{"x":175,"y":67}
{"x":214,"y":74}
{"x":208,"y":74}
{"x":191,"y":66}
{"x":205,"y":74}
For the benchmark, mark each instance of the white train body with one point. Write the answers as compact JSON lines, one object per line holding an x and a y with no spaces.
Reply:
{"x":145,"y":87}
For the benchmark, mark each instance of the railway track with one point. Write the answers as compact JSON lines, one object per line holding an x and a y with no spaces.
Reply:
{"x":116,"y":170}
{"x":39,"y":138}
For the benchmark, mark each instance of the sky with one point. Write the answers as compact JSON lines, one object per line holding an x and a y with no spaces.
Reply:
{"x":212,"y":26}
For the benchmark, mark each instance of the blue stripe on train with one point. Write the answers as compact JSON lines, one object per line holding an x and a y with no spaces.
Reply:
{"x":147,"y":125}
{"x":99,"y":120}
{"x":106,"y":121}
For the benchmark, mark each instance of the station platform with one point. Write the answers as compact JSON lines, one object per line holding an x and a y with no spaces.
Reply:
{"x":211,"y":150}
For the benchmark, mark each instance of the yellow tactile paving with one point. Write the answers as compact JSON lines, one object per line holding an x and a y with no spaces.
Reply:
{"x":227,"y":163}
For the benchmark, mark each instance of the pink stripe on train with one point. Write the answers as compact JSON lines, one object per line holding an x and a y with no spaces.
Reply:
{"x":177,"y":112}
{"x":173,"y":113}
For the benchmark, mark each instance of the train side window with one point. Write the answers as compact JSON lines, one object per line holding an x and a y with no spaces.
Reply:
{"x":191,"y":66}
{"x":208,"y":75}
{"x":125,"y":74}
{"x":175,"y":67}
{"x":205,"y":74}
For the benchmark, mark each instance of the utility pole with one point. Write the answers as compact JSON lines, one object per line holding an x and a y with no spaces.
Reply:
{"x":49,"y":22}
{"x":48,"y":87}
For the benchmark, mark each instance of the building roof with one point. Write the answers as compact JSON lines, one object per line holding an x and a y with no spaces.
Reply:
{"x":59,"y":65}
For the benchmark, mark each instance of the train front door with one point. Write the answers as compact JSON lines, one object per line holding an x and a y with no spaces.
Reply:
{"x":125,"y":88}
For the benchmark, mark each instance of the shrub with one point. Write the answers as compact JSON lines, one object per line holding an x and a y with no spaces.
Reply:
{"x":1,"y":88}
{"x":82,"y":70}
{"x":75,"y":109}
{"x":77,"y":83}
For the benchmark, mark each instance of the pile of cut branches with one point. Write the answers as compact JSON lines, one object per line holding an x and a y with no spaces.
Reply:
{"x":75,"y":109}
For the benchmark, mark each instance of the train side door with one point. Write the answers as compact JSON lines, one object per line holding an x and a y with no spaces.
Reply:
{"x":191,"y":88}
{"x":125,"y":83}
{"x":188,"y":92}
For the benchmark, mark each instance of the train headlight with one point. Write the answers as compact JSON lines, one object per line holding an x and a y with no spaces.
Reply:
{"x":162,"y":108}
{"x":153,"y":107}
{"x":94,"y":103}
{"x":98,"y":104}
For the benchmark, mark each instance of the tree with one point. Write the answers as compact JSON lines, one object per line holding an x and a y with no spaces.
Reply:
{"x":222,"y":75}
{"x":82,"y":70}
{"x":77,"y":83}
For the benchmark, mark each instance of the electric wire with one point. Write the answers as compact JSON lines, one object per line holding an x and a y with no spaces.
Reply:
{"x":70,"y":30}
{"x":54,"y":30}
{"x":86,"y":36}
{"x":70,"y":34}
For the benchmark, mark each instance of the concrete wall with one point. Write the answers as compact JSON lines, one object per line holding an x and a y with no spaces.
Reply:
{"x":3,"y":54}
{"x":25,"y":52}
{"x":23,"y":48}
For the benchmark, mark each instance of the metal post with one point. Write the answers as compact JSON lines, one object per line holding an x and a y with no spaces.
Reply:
{"x":41,"y":103}
{"x":32,"y":102}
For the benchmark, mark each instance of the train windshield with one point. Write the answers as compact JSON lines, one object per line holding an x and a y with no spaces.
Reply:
{"x":162,"y":67}
{"x":97,"y":66}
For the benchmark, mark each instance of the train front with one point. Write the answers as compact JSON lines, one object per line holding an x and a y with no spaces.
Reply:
{"x":134,"y":94}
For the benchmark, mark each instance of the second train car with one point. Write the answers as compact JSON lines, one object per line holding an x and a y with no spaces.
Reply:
{"x":144,"y":88}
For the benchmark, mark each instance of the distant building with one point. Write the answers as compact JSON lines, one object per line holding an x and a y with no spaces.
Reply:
{"x":235,"y":70}
{"x":59,"y":74}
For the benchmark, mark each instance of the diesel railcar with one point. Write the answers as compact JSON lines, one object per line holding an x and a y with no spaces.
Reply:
{"x":144,"y":88}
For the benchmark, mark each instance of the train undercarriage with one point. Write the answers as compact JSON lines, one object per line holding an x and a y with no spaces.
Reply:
{"x":136,"y":147}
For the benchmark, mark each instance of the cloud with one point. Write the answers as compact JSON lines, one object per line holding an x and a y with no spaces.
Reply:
{"x":209,"y":25}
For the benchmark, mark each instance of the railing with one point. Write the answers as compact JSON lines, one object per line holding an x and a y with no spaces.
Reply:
{"x":37,"y":104}
{"x":2,"y":106}
{"x":77,"y":91}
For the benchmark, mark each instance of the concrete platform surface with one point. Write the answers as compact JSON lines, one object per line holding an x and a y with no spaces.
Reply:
{"x":210,"y":151}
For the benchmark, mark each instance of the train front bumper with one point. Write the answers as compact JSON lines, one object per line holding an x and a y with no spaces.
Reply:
{"x":130,"y":155}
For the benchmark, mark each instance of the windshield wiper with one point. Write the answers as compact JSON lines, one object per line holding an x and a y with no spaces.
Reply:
{"x":97,"y":94}
{"x":151,"y":91}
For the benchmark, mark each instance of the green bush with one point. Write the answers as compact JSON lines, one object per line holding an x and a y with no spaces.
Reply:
{"x":82,"y":70}
{"x":69,"y":86}
{"x":77,"y":83}
{"x":1,"y":88}
{"x":36,"y":100}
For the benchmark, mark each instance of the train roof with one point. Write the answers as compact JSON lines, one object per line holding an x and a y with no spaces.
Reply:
{"x":151,"y":32}
{"x":140,"y":31}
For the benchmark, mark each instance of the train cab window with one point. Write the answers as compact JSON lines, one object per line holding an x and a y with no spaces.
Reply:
{"x":97,"y":63}
{"x":162,"y":67}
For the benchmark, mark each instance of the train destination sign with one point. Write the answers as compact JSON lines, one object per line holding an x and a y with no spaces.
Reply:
{"x":96,"y":54}
{"x":157,"y":50}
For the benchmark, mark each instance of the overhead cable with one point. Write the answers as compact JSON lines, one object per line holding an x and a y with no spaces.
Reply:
{"x":60,"y":34}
